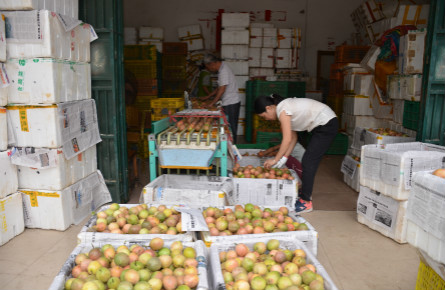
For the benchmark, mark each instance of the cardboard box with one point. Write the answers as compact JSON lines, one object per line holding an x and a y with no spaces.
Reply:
{"x":47,"y":81}
{"x":237,"y":52}
{"x":411,"y":51}
{"x":254,"y":57}
{"x":283,"y":58}
{"x":357,"y":105}
{"x":3,"y":130}
{"x":235,"y":20}
{"x":48,"y":169}
{"x":238,"y":67}
{"x":382,"y":214}
{"x":389,"y":169}
{"x":285,"y":243}
{"x":11,"y":215}
{"x":256,"y":37}
{"x":267,"y":57}
{"x":72,"y":126}
{"x":65,"y":7}
{"x":235,"y":36}
{"x":59,"y":37}
{"x":190,"y":31}
{"x":151,"y":32}
{"x":194,"y":44}
{"x":8,"y":172}
{"x":270,"y":39}
{"x":190,"y":190}
{"x":58,"y":210}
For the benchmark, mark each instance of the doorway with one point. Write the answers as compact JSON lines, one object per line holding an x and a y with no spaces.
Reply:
{"x":325,"y":59}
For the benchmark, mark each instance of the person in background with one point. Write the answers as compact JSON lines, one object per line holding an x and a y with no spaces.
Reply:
{"x":296,"y":115}
{"x":227,"y":91}
{"x":204,"y":82}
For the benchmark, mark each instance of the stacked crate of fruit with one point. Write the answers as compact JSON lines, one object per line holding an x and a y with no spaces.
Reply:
{"x":52,"y":119}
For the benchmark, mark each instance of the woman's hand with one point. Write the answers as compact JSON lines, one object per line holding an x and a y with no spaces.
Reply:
{"x":269,"y":163}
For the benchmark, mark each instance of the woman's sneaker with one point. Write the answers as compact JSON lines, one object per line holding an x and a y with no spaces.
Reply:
{"x":302,"y":206}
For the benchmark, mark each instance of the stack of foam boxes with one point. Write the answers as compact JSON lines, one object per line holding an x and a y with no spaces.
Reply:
{"x":151,"y":36}
{"x":52,"y":120}
{"x":192,"y":35}
{"x":130,"y":36}
{"x":386,"y":185}
{"x":235,"y":52}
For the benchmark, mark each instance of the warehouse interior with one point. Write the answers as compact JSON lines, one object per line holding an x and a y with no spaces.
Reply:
{"x":129,"y":72}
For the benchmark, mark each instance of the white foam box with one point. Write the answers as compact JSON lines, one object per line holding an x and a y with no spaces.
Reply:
{"x":88,"y":235}
{"x":416,"y":15}
{"x":189,"y":31}
{"x":3,"y":91}
{"x":364,"y":85}
{"x":398,"y":106}
{"x":190,"y":190}
{"x":270,"y":37}
{"x":368,"y":61}
{"x":411,"y":87}
{"x":261,"y":25}
{"x":194,"y":44}
{"x":58,"y":210}
{"x":242,"y":113}
{"x":380,"y":108}
{"x":389,"y":169}
{"x":296,"y":37}
{"x":399,"y":128}
{"x":256,"y":37}
{"x":3,"y":130}
{"x":238,"y":67}
{"x":11,"y":215}
{"x":285,"y":243}
{"x":156,"y":43}
{"x":40,"y":33}
{"x":151,"y":32}
{"x":374,"y":138}
{"x":425,"y":215}
{"x":283,"y":58}
{"x":273,"y":191}
{"x":350,"y":71}
{"x":295,"y":57}
{"x":267,"y":57}
{"x":232,"y":36}
{"x":261,"y":72}
{"x":357,"y":105}
{"x":351,"y":172}
{"x":371,"y":11}
{"x":284,"y":37}
{"x":239,"y":52}
{"x":375,"y":30}
{"x":241,"y":125}
{"x":72,"y":126}
{"x":65,"y":272}
{"x":242,"y":96}
{"x":48,"y":169}
{"x":2,"y":39}
{"x":351,"y":122}
{"x":65,"y":7}
{"x":314,"y":95}
{"x":254,"y":57}
{"x":47,"y":81}
{"x":411,"y":50}
{"x":382,"y":214}
{"x":8,"y":172}
{"x":235,"y":20}
{"x":393,"y":87}
{"x":241,"y":83}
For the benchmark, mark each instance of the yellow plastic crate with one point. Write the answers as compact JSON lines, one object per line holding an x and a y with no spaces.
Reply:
{"x":428,"y":279}
{"x":142,"y":69}
{"x":140,"y":52}
{"x":167,"y":103}
{"x":161,"y":113}
{"x":264,"y":125}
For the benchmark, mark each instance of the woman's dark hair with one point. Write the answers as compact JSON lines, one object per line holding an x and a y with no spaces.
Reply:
{"x":263,"y":101}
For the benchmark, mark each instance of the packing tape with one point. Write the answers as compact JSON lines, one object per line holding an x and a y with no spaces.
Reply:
{"x":34,"y":194}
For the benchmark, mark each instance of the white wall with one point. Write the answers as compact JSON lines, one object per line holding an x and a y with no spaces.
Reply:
{"x":321,"y":19}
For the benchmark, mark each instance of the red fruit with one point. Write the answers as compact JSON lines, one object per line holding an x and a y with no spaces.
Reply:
{"x":241,"y":250}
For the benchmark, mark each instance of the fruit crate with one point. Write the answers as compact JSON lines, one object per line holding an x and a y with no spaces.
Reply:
{"x":140,"y":52}
{"x":147,"y":87}
{"x":170,"y":95}
{"x":336,"y":104}
{"x":174,"y":86}
{"x":174,"y":48}
{"x":143,"y":102}
{"x":261,"y":124}
{"x":273,"y":138}
{"x":137,"y":117}
{"x":65,"y":272}
{"x":161,"y":113}
{"x":174,"y":73}
{"x":262,"y":146}
{"x":339,"y":146}
{"x":174,"y":60}
{"x":296,"y":89}
{"x":335,"y":87}
{"x":411,"y":113}
{"x":336,"y":71}
{"x":350,"y":53}
{"x":167,"y":103}
{"x":142,"y":69}
{"x":428,"y":279}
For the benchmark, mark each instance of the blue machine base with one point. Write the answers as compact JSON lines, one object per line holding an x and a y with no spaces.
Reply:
{"x":185,"y":157}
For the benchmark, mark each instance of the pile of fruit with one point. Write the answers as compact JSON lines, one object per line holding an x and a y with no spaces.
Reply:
{"x":250,"y":219}
{"x":200,"y":104}
{"x":138,"y":220}
{"x":138,"y":268}
{"x":268,"y":267}
{"x":260,"y":172}
{"x":439,"y":172}
{"x":194,"y":124}
{"x":387,"y":132}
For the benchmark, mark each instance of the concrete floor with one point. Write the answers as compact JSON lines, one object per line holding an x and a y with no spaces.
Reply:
{"x":355,"y":256}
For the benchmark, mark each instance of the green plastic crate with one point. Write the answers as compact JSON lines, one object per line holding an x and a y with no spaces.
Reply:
{"x":273,"y":138}
{"x":339,"y":146}
{"x":262,"y":146}
{"x":296,"y":89}
{"x":411,"y":113}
